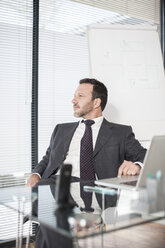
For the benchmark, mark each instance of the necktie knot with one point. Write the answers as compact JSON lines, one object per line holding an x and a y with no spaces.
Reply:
{"x":88,"y":122}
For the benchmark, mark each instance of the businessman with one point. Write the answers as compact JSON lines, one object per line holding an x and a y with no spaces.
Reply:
{"x":116,"y":152}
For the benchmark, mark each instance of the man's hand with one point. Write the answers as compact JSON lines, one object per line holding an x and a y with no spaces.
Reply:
{"x":128,"y":169}
{"x":32,"y":180}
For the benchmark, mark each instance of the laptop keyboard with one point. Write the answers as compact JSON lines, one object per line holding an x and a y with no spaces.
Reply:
{"x":132,"y":183}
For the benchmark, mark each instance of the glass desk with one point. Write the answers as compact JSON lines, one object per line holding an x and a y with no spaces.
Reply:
{"x":39,"y":206}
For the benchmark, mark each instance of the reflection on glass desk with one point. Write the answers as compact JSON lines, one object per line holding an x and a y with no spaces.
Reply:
{"x":42,"y":200}
{"x":39,"y":205}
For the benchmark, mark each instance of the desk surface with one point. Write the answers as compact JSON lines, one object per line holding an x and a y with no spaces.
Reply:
{"x":74,"y":223}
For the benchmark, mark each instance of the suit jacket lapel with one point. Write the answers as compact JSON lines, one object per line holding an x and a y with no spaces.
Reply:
{"x":69,"y":136}
{"x":104,"y":134}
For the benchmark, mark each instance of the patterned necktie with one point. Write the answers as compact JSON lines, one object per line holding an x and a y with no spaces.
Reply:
{"x":87,"y":173}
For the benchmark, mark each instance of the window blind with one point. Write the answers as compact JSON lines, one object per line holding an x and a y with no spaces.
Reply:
{"x":15,"y":93}
{"x":148,"y":10}
{"x":15,"y":100}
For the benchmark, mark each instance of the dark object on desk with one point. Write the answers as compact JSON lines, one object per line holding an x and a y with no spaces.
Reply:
{"x":62,"y":193}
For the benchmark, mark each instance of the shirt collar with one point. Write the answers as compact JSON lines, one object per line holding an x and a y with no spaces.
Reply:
{"x":97,"y":120}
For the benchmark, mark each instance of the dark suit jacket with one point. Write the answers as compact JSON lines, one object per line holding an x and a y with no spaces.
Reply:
{"x":115,"y":143}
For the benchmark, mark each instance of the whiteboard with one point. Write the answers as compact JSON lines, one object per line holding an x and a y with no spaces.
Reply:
{"x":128,"y":61}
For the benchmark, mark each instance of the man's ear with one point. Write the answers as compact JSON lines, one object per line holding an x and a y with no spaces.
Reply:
{"x":97,"y":102}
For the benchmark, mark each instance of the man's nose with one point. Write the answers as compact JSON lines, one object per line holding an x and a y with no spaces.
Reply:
{"x":74,"y":100}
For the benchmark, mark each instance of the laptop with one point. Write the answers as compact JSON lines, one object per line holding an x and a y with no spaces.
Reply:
{"x":154,"y":164}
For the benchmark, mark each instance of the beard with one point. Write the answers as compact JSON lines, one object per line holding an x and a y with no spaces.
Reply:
{"x":81,"y":112}
{"x":78,"y":114}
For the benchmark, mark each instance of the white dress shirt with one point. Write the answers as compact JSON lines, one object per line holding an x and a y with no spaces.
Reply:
{"x":73,"y":154}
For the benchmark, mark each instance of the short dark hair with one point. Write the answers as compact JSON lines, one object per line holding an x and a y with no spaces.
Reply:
{"x":99,"y":90}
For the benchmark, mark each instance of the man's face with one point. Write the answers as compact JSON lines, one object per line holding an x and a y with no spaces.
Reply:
{"x":83,"y":104}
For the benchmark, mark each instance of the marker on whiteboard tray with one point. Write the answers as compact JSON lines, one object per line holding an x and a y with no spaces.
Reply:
{"x":150,"y":175}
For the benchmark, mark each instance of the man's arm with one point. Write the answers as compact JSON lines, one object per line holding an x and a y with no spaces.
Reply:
{"x":41,"y":167}
{"x":134,"y":156}
{"x":39,"y":170}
